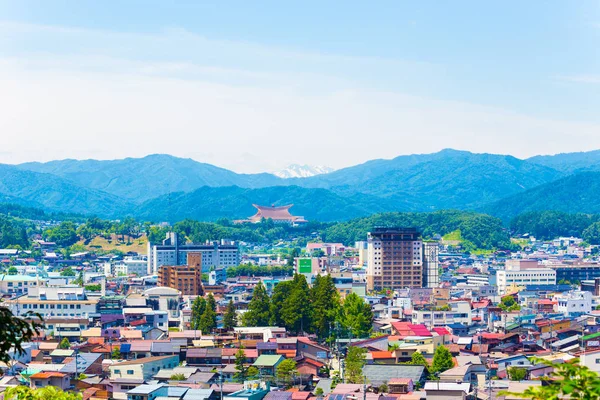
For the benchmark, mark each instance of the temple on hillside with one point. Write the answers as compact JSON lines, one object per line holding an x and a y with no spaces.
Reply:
{"x":279,"y":215}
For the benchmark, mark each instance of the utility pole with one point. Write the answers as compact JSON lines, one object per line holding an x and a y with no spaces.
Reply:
{"x":221,"y":382}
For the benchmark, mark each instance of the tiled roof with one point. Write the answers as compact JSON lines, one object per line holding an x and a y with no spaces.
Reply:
{"x":46,"y":375}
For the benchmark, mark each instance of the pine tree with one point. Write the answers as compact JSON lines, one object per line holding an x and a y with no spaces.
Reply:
{"x":356,"y":316}
{"x":230,"y":317}
{"x":259,"y":308}
{"x":355,"y":361}
{"x":296,"y":310}
{"x":326,"y":305}
{"x":198,"y":307}
{"x":442,"y":360}
{"x":240,"y":365}
{"x":210,"y":301}
{"x":208,"y":320}
{"x":281,"y":292}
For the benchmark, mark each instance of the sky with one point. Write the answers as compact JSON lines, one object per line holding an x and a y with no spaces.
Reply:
{"x":256,"y":86}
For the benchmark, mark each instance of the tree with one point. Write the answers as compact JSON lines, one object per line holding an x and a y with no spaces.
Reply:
{"x":591,"y":234}
{"x":252,"y":373}
{"x":211,"y":303}
{"x":285,"y":370}
{"x":13,"y":270}
{"x":383,"y":388}
{"x":208,"y":320}
{"x":230,"y":317}
{"x":319,"y":392}
{"x":198,"y":307}
{"x":116,"y":354}
{"x":296,"y":311}
{"x":67,"y":272}
{"x":442,"y":360}
{"x":418,"y":359}
{"x":64,"y":344}
{"x":568,"y":380}
{"x":281,"y":292}
{"x":516,"y":373}
{"x":14,"y":331}
{"x":258,"y":313}
{"x":355,"y":361}
{"x":177,"y":377}
{"x":79,"y":279}
{"x":63,"y":235}
{"x":356,"y":316}
{"x":508,"y":303}
{"x":240,"y":366}
{"x":326,"y":305}
{"x":45,"y":393}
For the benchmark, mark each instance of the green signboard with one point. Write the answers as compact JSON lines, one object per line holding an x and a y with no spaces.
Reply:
{"x":304,"y":265}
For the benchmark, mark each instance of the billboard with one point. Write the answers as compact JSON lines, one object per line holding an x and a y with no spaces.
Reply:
{"x":304,"y":265}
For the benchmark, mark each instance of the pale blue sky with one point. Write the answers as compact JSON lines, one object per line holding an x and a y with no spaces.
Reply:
{"x":258,"y":85}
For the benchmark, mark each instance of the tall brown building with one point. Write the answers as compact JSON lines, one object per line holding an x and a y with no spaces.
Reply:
{"x":395,"y":259}
{"x":185,"y":278}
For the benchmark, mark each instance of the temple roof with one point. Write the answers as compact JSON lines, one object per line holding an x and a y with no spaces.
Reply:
{"x":275,"y":213}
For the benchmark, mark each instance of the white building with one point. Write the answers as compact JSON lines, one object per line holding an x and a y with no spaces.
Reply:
{"x":522,"y":273}
{"x":573,"y":303}
{"x":222,"y":253}
{"x":131,"y":265}
{"x":54,"y":301}
{"x":460,"y":313}
{"x":591,"y":359}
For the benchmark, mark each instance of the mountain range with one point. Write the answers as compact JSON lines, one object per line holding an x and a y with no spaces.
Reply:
{"x":302,"y":171}
{"x":163,"y":187}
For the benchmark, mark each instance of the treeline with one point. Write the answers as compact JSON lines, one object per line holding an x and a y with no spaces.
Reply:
{"x":303,"y":309}
{"x":255,"y":270}
{"x":24,"y":212}
{"x":13,"y":233}
{"x":546,"y":225}
{"x":482,"y":230}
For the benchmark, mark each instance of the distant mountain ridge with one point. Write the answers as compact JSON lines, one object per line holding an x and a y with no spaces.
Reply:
{"x":449,"y":179}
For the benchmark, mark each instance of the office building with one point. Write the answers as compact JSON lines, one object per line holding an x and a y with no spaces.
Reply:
{"x":395,"y":259}
{"x":222,"y":253}
{"x":522,"y":273}
{"x":185,"y":278}
{"x":431,"y":265}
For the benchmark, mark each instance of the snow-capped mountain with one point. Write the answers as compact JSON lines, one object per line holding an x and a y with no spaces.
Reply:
{"x":302,"y":171}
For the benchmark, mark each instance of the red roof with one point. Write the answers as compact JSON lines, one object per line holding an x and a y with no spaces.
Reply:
{"x":546,"y":302}
{"x":378,"y":355}
{"x":399,"y":381}
{"x":275,"y":213}
{"x":489,"y":335}
{"x":441,"y":331}
{"x":46,"y":375}
{"x":34,"y":353}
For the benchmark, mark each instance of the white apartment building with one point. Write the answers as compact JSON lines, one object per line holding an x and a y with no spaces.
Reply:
{"x":522,"y":273}
{"x":573,"y":303}
{"x":222,"y":253}
{"x":54,"y":301}
{"x":478,"y":279}
{"x":460,"y":313}
{"x":131,"y":265}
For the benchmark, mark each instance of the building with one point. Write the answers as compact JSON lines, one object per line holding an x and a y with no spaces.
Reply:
{"x":130,"y":266}
{"x":576,"y":273}
{"x":431,"y":265}
{"x":522,"y":274}
{"x":573,"y":303}
{"x":49,"y":302}
{"x":185,"y":278}
{"x":395,"y":259}
{"x":17,"y":285}
{"x":214,"y":254}
{"x":279,"y":215}
{"x":460,"y":313}
{"x":144,"y":368}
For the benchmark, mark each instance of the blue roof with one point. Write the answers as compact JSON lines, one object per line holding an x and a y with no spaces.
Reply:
{"x":125,"y":348}
{"x":82,"y":361}
{"x":456,"y":326}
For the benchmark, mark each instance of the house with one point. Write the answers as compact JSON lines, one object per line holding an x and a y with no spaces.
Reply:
{"x":143,"y":369}
{"x":380,"y":374}
{"x":253,"y":390}
{"x":56,"y":379}
{"x":267,"y":364}
{"x":447,"y":390}
{"x":591,"y":359}
{"x":204,"y":356}
{"x":400,"y":385}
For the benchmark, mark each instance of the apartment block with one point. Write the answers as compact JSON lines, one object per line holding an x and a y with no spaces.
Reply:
{"x":185,"y":278}
{"x":222,"y":253}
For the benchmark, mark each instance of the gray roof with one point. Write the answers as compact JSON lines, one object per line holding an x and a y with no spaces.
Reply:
{"x":377,"y":374}
{"x":198,"y":394}
{"x":164,"y":347}
{"x":278,"y":396}
{"x":451,"y":386}
{"x":324,"y":384}
{"x":84,"y":360}
{"x":145,"y":389}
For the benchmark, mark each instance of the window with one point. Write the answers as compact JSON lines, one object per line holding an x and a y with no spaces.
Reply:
{"x":117,"y":371}
{"x":129,"y":372}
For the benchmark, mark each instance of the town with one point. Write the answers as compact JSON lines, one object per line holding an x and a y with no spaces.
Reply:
{"x":394,"y":315}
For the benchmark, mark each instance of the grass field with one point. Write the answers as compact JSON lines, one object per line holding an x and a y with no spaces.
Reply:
{"x":115,"y":243}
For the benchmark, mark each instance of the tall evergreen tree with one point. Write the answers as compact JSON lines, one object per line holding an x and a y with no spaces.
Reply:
{"x":281,"y":292}
{"x":198,"y":307}
{"x":326,"y":305}
{"x":230,"y":317}
{"x":240,"y":366}
{"x":259,"y":308}
{"x":208,"y":320}
{"x":355,"y":361}
{"x":210,"y":302}
{"x":356,"y":316}
{"x":296,"y":311}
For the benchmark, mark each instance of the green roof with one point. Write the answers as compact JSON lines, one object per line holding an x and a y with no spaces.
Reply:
{"x":62,"y":353}
{"x":17,"y":278}
{"x":268,"y":360}
{"x":591,"y":336}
